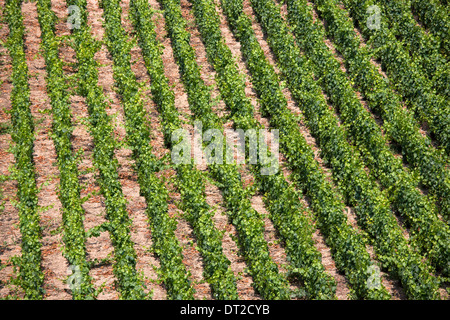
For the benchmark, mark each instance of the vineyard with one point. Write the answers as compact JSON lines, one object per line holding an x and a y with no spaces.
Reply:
{"x":101,"y":196}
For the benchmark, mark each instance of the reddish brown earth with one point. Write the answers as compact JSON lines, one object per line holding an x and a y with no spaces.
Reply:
{"x":9,"y":218}
{"x":54,"y":265}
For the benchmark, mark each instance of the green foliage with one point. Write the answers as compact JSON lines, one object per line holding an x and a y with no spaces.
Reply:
{"x":281,"y":200}
{"x":360,"y":191}
{"x":399,"y":123}
{"x":72,"y":212}
{"x":31,"y":277}
{"x":101,"y":130}
{"x":417,"y":66}
{"x":409,"y":80}
{"x":165,"y":243}
{"x":190,"y":181}
{"x":422,"y":46}
{"x":217,"y":269}
{"x":267,"y":280}
{"x":348,"y":247}
{"x":429,"y":233}
{"x":436,"y":17}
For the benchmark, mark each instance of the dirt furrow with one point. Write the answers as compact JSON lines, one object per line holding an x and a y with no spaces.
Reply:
{"x":100,"y":250}
{"x":10,"y":236}
{"x":338,"y":56}
{"x":231,"y":250}
{"x":54,"y":265}
{"x":208,"y":73}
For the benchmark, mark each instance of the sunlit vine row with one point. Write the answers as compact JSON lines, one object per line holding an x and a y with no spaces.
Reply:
{"x":31,"y":276}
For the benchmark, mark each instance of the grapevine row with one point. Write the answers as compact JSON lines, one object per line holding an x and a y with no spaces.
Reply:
{"x":267,"y":280}
{"x":281,"y":200}
{"x":435,"y":16}
{"x":348,"y":247}
{"x":101,"y":130}
{"x":165,"y":243}
{"x":217,"y":269}
{"x":74,"y":236}
{"x":31,"y":277}
{"x":422,"y":46}
{"x":119,"y":222}
{"x":410,"y":82}
{"x":399,"y":124}
{"x":431,"y":234}
{"x":360,"y":191}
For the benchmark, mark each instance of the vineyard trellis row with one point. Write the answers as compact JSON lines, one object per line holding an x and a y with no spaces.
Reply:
{"x":415,"y":88}
{"x":400,"y":204}
{"x":287,"y":213}
{"x":371,"y":205}
{"x":31,"y":276}
{"x":428,"y":232}
{"x":422,"y":46}
{"x":436,"y":17}
{"x":348,"y":247}
{"x":166,"y":245}
{"x":399,"y":123}
{"x":74,"y":236}
{"x":118,"y":223}
{"x":268,"y":282}
{"x":217,"y":269}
